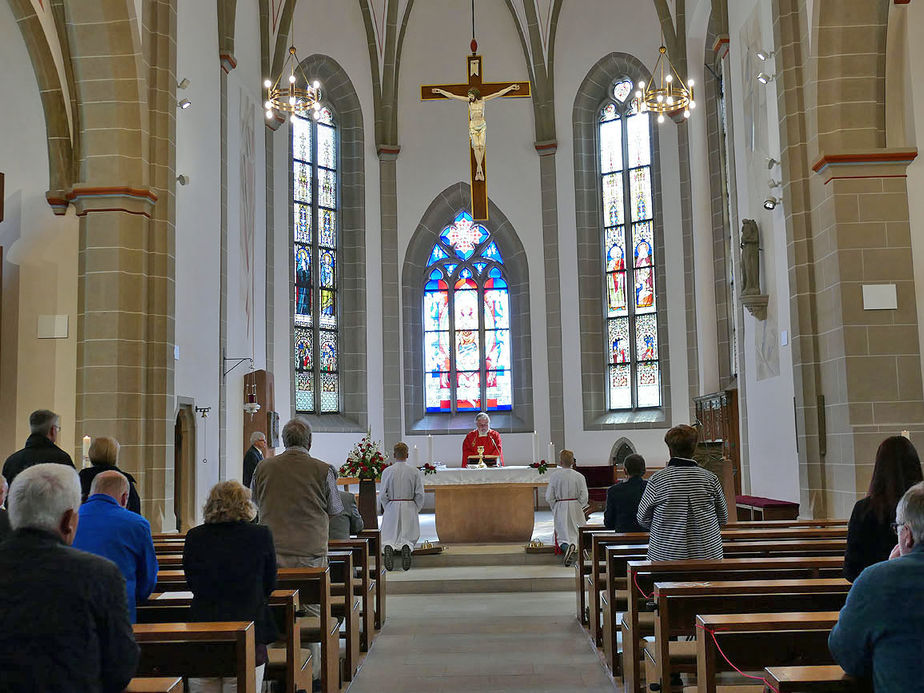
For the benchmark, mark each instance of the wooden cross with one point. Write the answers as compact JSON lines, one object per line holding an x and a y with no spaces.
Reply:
{"x":479,"y":187}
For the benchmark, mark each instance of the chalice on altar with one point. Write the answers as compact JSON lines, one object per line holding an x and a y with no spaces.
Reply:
{"x":481,"y":463}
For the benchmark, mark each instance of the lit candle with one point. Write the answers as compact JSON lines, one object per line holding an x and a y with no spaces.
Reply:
{"x":86,"y":448}
{"x":907,"y":434}
{"x":430,"y":448}
{"x":535,"y":448}
{"x":551,"y":459}
{"x":416,"y":457}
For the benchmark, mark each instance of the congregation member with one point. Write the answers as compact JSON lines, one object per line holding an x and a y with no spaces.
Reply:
{"x":482,"y":437}
{"x":622,"y":499}
{"x":63,"y":619}
{"x":566,"y":495}
{"x":5,"y":528}
{"x":879,"y":633}
{"x":870,"y":538}
{"x":683,"y":505}
{"x":254,"y":455}
{"x":230,"y":567}
{"x":349,"y":522}
{"x":296,"y":494}
{"x":401,"y":497}
{"x":108,"y":529}
{"x":104,"y":456}
{"x":44,"y":427}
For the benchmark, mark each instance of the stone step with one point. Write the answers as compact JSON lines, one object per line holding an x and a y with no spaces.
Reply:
{"x":481,"y":578}
{"x":461,"y":555}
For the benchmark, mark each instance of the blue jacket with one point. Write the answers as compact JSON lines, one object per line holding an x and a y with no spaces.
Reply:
{"x":880,"y":631}
{"x":124,"y":537}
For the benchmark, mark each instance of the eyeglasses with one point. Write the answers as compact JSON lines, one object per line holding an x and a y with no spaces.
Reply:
{"x":896,"y":526}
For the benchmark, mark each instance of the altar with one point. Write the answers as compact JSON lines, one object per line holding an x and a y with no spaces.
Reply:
{"x":485,"y":505}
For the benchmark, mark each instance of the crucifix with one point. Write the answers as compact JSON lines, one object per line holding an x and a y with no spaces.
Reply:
{"x":475,"y":93}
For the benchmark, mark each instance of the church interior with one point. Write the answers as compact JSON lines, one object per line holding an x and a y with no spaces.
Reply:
{"x":219,"y":215}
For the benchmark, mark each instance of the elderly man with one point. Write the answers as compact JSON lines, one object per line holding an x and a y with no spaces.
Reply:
{"x":348,"y":523}
{"x":44,"y":426}
{"x":296,"y":495}
{"x":63,"y":621}
{"x":482,"y":437}
{"x":401,"y":496}
{"x":880,"y":631}
{"x":109,"y":530}
{"x":566,"y":495}
{"x":5,"y":528}
{"x":683,"y":505}
{"x":254,"y":455}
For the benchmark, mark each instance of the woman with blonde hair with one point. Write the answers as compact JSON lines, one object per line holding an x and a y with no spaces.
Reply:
{"x":103,"y":455}
{"x":230,"y":566}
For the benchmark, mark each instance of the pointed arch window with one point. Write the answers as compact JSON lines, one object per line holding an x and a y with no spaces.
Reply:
{"x":625,"y":150}
{"x":466,"y":322}
{"x":315,"y":154}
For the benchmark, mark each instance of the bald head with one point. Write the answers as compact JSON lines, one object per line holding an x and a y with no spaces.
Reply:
{"x":113,"y":484}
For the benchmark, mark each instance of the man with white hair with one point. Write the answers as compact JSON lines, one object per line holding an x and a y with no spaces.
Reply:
{"x":879,"y":633}
{"x":254,"y":455}
{"x":44,"y":427}
{"x":108,"y":529}
{"x":483,"y":437}
{"x":63,"y":621}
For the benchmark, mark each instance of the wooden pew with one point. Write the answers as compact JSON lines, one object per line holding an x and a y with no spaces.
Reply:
{"x":596,"y":581}
{"x":679,"y":603}
{"x":199,"y":650}
{"x":345,"y":606}
{"x":363,"y":586}
{"x":641,"y":576}
{"x":288,"y":664}
{"x":162,"y":684}
{"x":378,"y":573}
{"x":313,"y":585}
{"x":814,"y":679}
{"x":754,"y":641}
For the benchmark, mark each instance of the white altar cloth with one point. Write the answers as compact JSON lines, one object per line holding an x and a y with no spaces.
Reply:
{"x":458,"y":476}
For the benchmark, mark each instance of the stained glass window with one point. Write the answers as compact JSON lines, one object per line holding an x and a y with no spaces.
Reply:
{"x":316,"y":348}
{"x":466,"y":316}
{"x":629,"y":259}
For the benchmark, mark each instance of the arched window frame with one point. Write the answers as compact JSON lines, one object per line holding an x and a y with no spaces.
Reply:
{"x":444,"y":207}
{"x":597,"y":416}
{"x":627,"y":218}
{"x":340,"y":95}
{"x":451,"y":271}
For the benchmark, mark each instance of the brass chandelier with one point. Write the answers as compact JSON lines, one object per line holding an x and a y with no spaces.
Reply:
{"x":296,"y":96}
{"x":670,"y":95}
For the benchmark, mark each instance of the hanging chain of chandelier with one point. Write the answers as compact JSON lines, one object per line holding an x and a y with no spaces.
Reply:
{"x":294,"y":97}
{"x":666,"y":94}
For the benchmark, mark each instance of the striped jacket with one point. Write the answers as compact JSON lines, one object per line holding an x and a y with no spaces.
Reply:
{"x":684,"y":507}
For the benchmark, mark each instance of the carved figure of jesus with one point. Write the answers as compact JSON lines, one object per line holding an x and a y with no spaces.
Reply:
{"x":477,"y":127}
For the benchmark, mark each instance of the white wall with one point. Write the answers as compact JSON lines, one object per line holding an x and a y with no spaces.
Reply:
{"x":765,"y":362}
{"x":39,"y":258}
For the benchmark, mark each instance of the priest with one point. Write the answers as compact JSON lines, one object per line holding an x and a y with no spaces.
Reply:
{"x":485,"y":437}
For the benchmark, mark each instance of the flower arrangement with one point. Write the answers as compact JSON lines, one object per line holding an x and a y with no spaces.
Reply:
{"x":541,"y":466}
{"x":427,"y":469}
{"x":365,"y":461}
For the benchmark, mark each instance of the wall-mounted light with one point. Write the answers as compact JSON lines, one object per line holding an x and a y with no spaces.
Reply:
{"x":771,"y":202}
{"x":764,"y":55}
{"x":774,"y":183}
{"x":182,"y":179}
{"x":182,"y":84}
{"x":771,"y":162}
{"x":184,"y":104}
{"x":764,"y":78}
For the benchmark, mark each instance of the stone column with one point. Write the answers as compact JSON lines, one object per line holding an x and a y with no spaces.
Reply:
{"x":391,"y":315}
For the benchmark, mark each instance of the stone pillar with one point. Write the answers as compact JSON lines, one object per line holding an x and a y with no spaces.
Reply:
{"x":548,"y":184}
{"x":869,"y":357}
{"x":391,"y":315}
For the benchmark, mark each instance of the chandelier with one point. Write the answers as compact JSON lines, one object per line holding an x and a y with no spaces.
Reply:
{"x":296,"y":96}
{"x":670,"y":95}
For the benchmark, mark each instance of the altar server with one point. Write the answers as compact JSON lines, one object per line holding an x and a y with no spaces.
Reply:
{"x":566,"y":495}
{"x":401,"y":496}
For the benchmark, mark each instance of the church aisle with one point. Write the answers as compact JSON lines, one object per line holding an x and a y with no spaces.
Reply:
{"x":482,"y":642}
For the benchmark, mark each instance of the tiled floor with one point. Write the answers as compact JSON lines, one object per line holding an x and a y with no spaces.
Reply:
{"x":482,"y":643}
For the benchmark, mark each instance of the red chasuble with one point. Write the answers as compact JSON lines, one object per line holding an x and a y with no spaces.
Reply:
{"x":490,"y":442}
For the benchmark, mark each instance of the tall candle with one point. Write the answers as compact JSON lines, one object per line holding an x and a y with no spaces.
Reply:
{"x":907,"y":434}
{"x":86,"y":448}
{"x":551,"y":453}
{"x":430,"y":448}
{"x":535,"y":448}
{"x":416,"y":457}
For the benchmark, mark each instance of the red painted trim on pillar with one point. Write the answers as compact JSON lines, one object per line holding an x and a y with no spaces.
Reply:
{"x":228,"y":61}
{"x":865,"y":158}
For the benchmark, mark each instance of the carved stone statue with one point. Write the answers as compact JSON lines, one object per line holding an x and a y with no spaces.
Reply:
{"x":750,"y":258}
